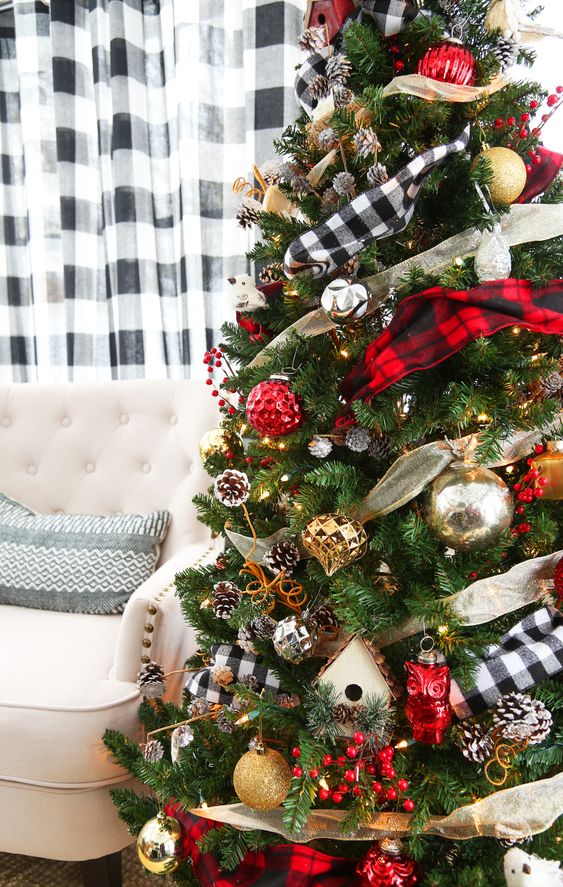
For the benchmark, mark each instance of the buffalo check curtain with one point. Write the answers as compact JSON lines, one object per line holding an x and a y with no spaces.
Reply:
{"x":123,"y":124}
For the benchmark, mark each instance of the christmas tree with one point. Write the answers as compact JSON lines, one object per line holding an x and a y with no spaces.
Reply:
{"x":376,"y":684}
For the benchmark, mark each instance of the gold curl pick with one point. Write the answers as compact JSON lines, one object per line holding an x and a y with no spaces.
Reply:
{"x":503,"y":757}
{"x":241,"y":183}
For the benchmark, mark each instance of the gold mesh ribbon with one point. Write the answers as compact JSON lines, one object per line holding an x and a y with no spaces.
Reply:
{"x":435,"y":91}
{"x":509,"y":814}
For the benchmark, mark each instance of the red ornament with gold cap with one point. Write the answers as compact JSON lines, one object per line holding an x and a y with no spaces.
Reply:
{"x":449,"y":62}
{"x":273,"y":409}
{"x":387,"y":865}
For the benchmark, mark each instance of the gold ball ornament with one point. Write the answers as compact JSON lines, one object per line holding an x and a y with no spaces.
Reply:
{"x":159,"y":844}
{"x":335,"y":540}
{"x":217,"y":441}
{"x":468,"y":506}
{"x":509,"y":174}
{"x":262,"y":778}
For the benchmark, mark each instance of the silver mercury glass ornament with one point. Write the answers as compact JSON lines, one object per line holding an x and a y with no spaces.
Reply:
{"x":345,"y":300}
{"x":492,"y":259}
{"x":294,"y":639}
{"x":468,"y":506}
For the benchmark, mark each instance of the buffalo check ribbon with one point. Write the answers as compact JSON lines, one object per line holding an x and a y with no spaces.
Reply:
{"x":241,"y":663}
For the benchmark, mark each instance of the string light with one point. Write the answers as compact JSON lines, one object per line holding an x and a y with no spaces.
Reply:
{"x":284,"y":478}
{"x":482,"y":417}
{"x":442,"y":629}
{"x":516,"y":330}
{"x":344,"y":353}
{"x":264,"y":495}
{"x":281,"y":445}
{"x":205,"y":604}
{"x":402,"y":744}
{"x":510,"y":469}
{"x":458,"y":261}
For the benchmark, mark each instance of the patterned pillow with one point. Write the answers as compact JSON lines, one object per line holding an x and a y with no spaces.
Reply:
{"x":75,"y":563}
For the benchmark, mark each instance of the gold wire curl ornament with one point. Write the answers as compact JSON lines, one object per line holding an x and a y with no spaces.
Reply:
{"x":504,"y":756}
{"x":240,"y":183}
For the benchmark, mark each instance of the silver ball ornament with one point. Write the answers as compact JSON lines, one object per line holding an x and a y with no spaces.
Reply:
{"x":345,"y":300}
{"x":468,"y":506}
{"x":492,"y":259}
{"x":293,"y":639}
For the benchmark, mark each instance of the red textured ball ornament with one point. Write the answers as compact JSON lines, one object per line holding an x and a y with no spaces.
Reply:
{"x":386,"y":865}
{"x":428,"y":707}
{"x":273,"y":409}
{"x":449,"y":62}
{"x":558,"y":582}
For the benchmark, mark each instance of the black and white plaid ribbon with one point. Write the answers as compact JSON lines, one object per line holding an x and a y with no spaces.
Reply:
{"x":390,"y":16}
{"x":380,"y":212}
{"x":313,"y":66}
{"x":526,"y":655}
{"x":242,"y":664}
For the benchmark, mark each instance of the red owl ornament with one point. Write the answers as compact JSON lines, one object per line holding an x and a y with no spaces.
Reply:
{"x":428,"y":709}
{"x":387,"y":865}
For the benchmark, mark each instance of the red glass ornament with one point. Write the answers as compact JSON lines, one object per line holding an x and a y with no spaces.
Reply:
{"x":449,"y":62}
{"x":386,"y":865}
{"x":558,"y":581}
{"x":273,"y":409}
{"x":329,"y":13}
{"x":428,"y":706}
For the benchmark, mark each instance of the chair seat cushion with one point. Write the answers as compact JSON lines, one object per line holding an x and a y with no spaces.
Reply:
{"x":56,"y":699}
{"x":77,"y":563}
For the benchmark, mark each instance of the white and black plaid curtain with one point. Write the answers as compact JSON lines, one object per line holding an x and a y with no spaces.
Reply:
{"x":123,"y":124}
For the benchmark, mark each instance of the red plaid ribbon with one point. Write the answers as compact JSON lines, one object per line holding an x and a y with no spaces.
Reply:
{"x":285,"y":865}
{"x":429,"y":327}
{"x":542,"y":176}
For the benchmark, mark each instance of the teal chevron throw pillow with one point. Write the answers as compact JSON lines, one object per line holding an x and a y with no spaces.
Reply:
{"x":75,"y":563}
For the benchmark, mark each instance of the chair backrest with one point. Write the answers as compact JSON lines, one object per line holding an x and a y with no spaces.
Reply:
{"x":108,"y":447}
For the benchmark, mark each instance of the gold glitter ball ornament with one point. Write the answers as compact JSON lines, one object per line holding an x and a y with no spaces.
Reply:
{"x":159,"y":845}
{"x":335,"y":540}
{"x":217,"y":441}
{"x":509,"y":174}
{"x":262,"y":778}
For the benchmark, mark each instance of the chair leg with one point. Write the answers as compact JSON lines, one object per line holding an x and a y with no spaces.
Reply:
{"x":103,"y":872}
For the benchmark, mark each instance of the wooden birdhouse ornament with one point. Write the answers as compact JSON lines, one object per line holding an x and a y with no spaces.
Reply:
{"x":356,"y":671}
{"x":328,"y":13}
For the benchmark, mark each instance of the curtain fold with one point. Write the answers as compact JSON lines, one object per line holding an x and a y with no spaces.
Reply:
{"x":123,"y":124}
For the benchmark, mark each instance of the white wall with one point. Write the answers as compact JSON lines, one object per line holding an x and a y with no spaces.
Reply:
{"x":548,"y":69}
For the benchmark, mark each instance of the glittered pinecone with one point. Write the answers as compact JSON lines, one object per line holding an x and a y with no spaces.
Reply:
{"x":300,"y":186}
{"x":153,"y":751}
{"x":285,"y":700}
{"x":249,"y":681}
{"x":271,"y":171}
{"x":358,"y":439}
{"x":344,"y":714}
{"x":312,"y":39}
{"x":506,"y":51}
{"x":197,"y":707}
{"x":379,"y":446}
{"x":522,"y":718}
{"x":329,"y":199}
{"x":245,"y":639}
{"x":377,"y":175}
{"x":344,"y":184}
{"x":270,"y":274}
{"x":282,"y":557}
{"x":553,"y":385}
{"x":248,"y":212}
{"x":338,"y":69}
{"x":342,"y":96}
{"x":319,"y":88}
{"x":366,"y":142}
{"x":222,"y":675}
{"x":232,"y":487}
{"x":224,"y":724}
{"x":349,"y":268}
{"x":323,"y":617}
{"x":224,"y":598}
{"x":263,"y":627}
{"x":320,"y":447}
{"x":150,"y":680}
{"x":475,"y":743}
{"x":327,"y":139}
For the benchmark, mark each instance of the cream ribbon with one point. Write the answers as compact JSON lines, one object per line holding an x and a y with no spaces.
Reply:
{"x":435,"y":91}
{"x":509,"y":814}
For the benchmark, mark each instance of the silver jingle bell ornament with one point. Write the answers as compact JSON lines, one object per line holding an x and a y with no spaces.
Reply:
{"x":294,"y":639}
{"x":468,"y":506}
{"x":345,"y":300}
{"x":492,"y":259}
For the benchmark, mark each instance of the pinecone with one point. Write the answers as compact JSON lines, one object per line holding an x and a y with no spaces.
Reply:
{"x":338,"y":69}
{"x":344,"y":184}
{"x":153,"y":751}
{"x":377,"y":175}
{"x":312,"y":39}
{"x":342,"y":96}
{"x":327,"y":139}
{"x":366,"y":142}
{"x":270,"y":274}
{"x":197,"y":707}
{"x":329,"y":199}
{"x":345,"y":714}
{"x":323,"y":617}
{"x":506,"y":51}
{"x":282,"y":557}
{"x":232,"y":487}
{"x":300,"y":186}
{"x":224,"y":598}
{"x":224,"y":724}
{"x":150,"y":680}
{"x":520,"y":717}
{"x":320,"y":447}
{"x":245,"y":639}
{"x":249,"y":681}
{"x":271,"y":172}
{"x":475,"y":743}
{"x":285,"y":700}
{"x":358,"y":439}
{"x":319,"y":88}
{"x":222,"y":675}
{"x":264,"y":627}
{"x":248,"y":213}
{"x":379,"y":446}
{"x":350,"y":268}
{"x":553,"y":385}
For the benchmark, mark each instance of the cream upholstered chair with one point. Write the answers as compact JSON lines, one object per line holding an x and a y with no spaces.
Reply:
{"x":65,"y":677}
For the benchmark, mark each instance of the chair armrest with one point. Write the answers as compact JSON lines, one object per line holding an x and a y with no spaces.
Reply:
{"x":153,"y":626}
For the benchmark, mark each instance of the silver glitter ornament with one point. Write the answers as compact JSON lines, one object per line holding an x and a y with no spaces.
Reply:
{"x":293,"y":639}
{"x":492,"y":259}
{"x":182,"y":736}
{"x":468,"y":506}
{"x":345,"y":300}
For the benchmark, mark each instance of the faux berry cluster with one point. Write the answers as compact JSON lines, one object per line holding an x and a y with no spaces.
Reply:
{"x":517,"y":129}
{"x":527,"y":489}
{"x":216,"y":360}
{"x":352,"y":773}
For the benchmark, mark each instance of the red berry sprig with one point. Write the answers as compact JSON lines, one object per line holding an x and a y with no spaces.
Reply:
{"x":214,"y":360}
{"x":529,"y":488}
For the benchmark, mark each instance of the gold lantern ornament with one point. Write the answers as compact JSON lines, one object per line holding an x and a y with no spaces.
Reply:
{"x":262,"y":778}
{"x":335,"y":540}
{"x":509,"y":174}
{"x":218,"y":441}
{"x":159,"y":844}
{"x":550,"y":467}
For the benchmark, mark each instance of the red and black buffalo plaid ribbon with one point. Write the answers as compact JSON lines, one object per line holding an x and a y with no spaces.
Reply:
{"x":284,"y":865}
{"x":429,"y":327}
{"x":542,"y":175}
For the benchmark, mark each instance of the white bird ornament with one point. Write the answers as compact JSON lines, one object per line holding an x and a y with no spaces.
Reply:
{"x":508,"y":17}
{"x":245,"y":294}
{"x":524,"y":870}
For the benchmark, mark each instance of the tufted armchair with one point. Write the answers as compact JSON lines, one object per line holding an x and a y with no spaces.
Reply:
{"x":65,"y":677}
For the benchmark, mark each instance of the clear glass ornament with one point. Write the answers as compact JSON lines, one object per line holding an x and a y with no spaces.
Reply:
{"x":492,"y":259}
